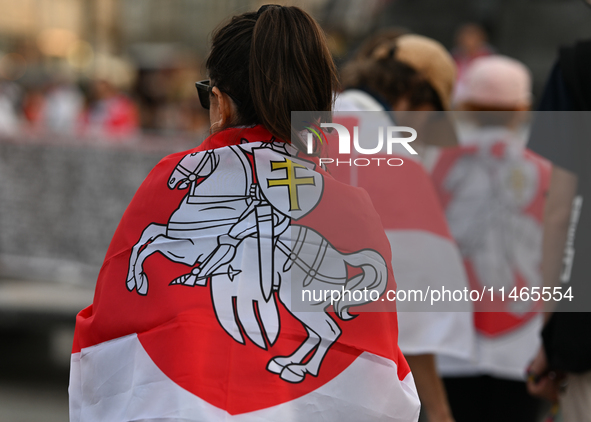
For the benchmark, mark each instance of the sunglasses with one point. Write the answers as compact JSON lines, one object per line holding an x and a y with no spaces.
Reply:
{"x":204,"y":91}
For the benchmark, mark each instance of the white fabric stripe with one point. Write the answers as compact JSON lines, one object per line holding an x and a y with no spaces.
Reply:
{"x":75,"y":388}
{"x":117,"y":381}
{"x":421,"y":259}
{"x":506,"y":356}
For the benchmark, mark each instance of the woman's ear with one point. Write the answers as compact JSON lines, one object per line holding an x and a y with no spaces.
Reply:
{"x":222,"y":111}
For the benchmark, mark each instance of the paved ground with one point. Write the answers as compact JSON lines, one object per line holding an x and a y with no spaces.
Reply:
{"x":36,"y":331}
{"x":33,"y":401}
{"x":33,"y":375}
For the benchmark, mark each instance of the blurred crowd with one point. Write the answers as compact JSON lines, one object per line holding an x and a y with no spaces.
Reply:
{"x":117,"y":98}
{"x":114,"y":98}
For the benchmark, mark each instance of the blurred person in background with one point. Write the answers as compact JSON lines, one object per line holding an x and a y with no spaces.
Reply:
{"x":471,"y":42}
{"x":54,"y":106}
{"x":172,"y":349}
{"x":166,"y":104}
{"x":33,"y":104}
{"x":408,"y":74}
{"x":152,"y":89}
{"x":493,"y":193}
{"x":367,"y":47}
{"x":10,"y":94}
{"x":180,"y":111}
{"x":561,"y":371}
{"x":413,"y":76}
{"x":62,"y":105}
{"x":110,"y":114}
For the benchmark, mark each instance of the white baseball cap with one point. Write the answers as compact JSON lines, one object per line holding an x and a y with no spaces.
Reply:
{"x":497,"y":81}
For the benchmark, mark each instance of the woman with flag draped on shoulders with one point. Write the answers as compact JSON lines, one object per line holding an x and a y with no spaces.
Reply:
{"x":243,"y":282}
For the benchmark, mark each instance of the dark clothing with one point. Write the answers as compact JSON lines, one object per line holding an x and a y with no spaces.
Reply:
{"x":552,"y":135}
{"x":567,"y":341}
{"x":490,"y":399}
{"x":562,"y":134}
{"x":576,"y":64}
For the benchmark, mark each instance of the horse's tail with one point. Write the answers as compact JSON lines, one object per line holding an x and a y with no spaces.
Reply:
{"x":374,"y":276}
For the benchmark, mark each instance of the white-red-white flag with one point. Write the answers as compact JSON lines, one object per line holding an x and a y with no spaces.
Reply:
{"x":493,"y":192}
{"x":193,"y":316}
{"x":424,"y":254}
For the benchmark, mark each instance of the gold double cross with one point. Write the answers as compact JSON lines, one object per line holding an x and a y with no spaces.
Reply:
{"x":292,"y":181}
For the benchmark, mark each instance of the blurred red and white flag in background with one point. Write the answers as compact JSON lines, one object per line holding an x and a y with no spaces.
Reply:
{"x":493,"y":192}
{"x":424,"y":254}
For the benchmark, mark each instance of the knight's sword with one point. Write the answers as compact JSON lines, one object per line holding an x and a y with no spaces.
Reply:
{"x":264,"y":214}
{"x":187,"y":279}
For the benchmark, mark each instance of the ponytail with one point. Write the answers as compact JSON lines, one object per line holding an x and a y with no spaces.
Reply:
{"x":287,"y":67}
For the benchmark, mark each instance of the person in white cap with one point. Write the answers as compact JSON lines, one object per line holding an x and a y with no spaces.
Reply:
{"x":497,"y":83}
{"x":493,"y":191}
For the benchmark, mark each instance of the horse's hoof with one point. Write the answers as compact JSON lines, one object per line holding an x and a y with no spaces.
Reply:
{"x":143,"y":286}
{"x":131,"y":284}
{"x":288,"y":374}
{"x":274,"y":367}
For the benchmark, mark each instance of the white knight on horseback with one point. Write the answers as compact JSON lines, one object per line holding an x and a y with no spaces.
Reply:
{"x":234,"y":228}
